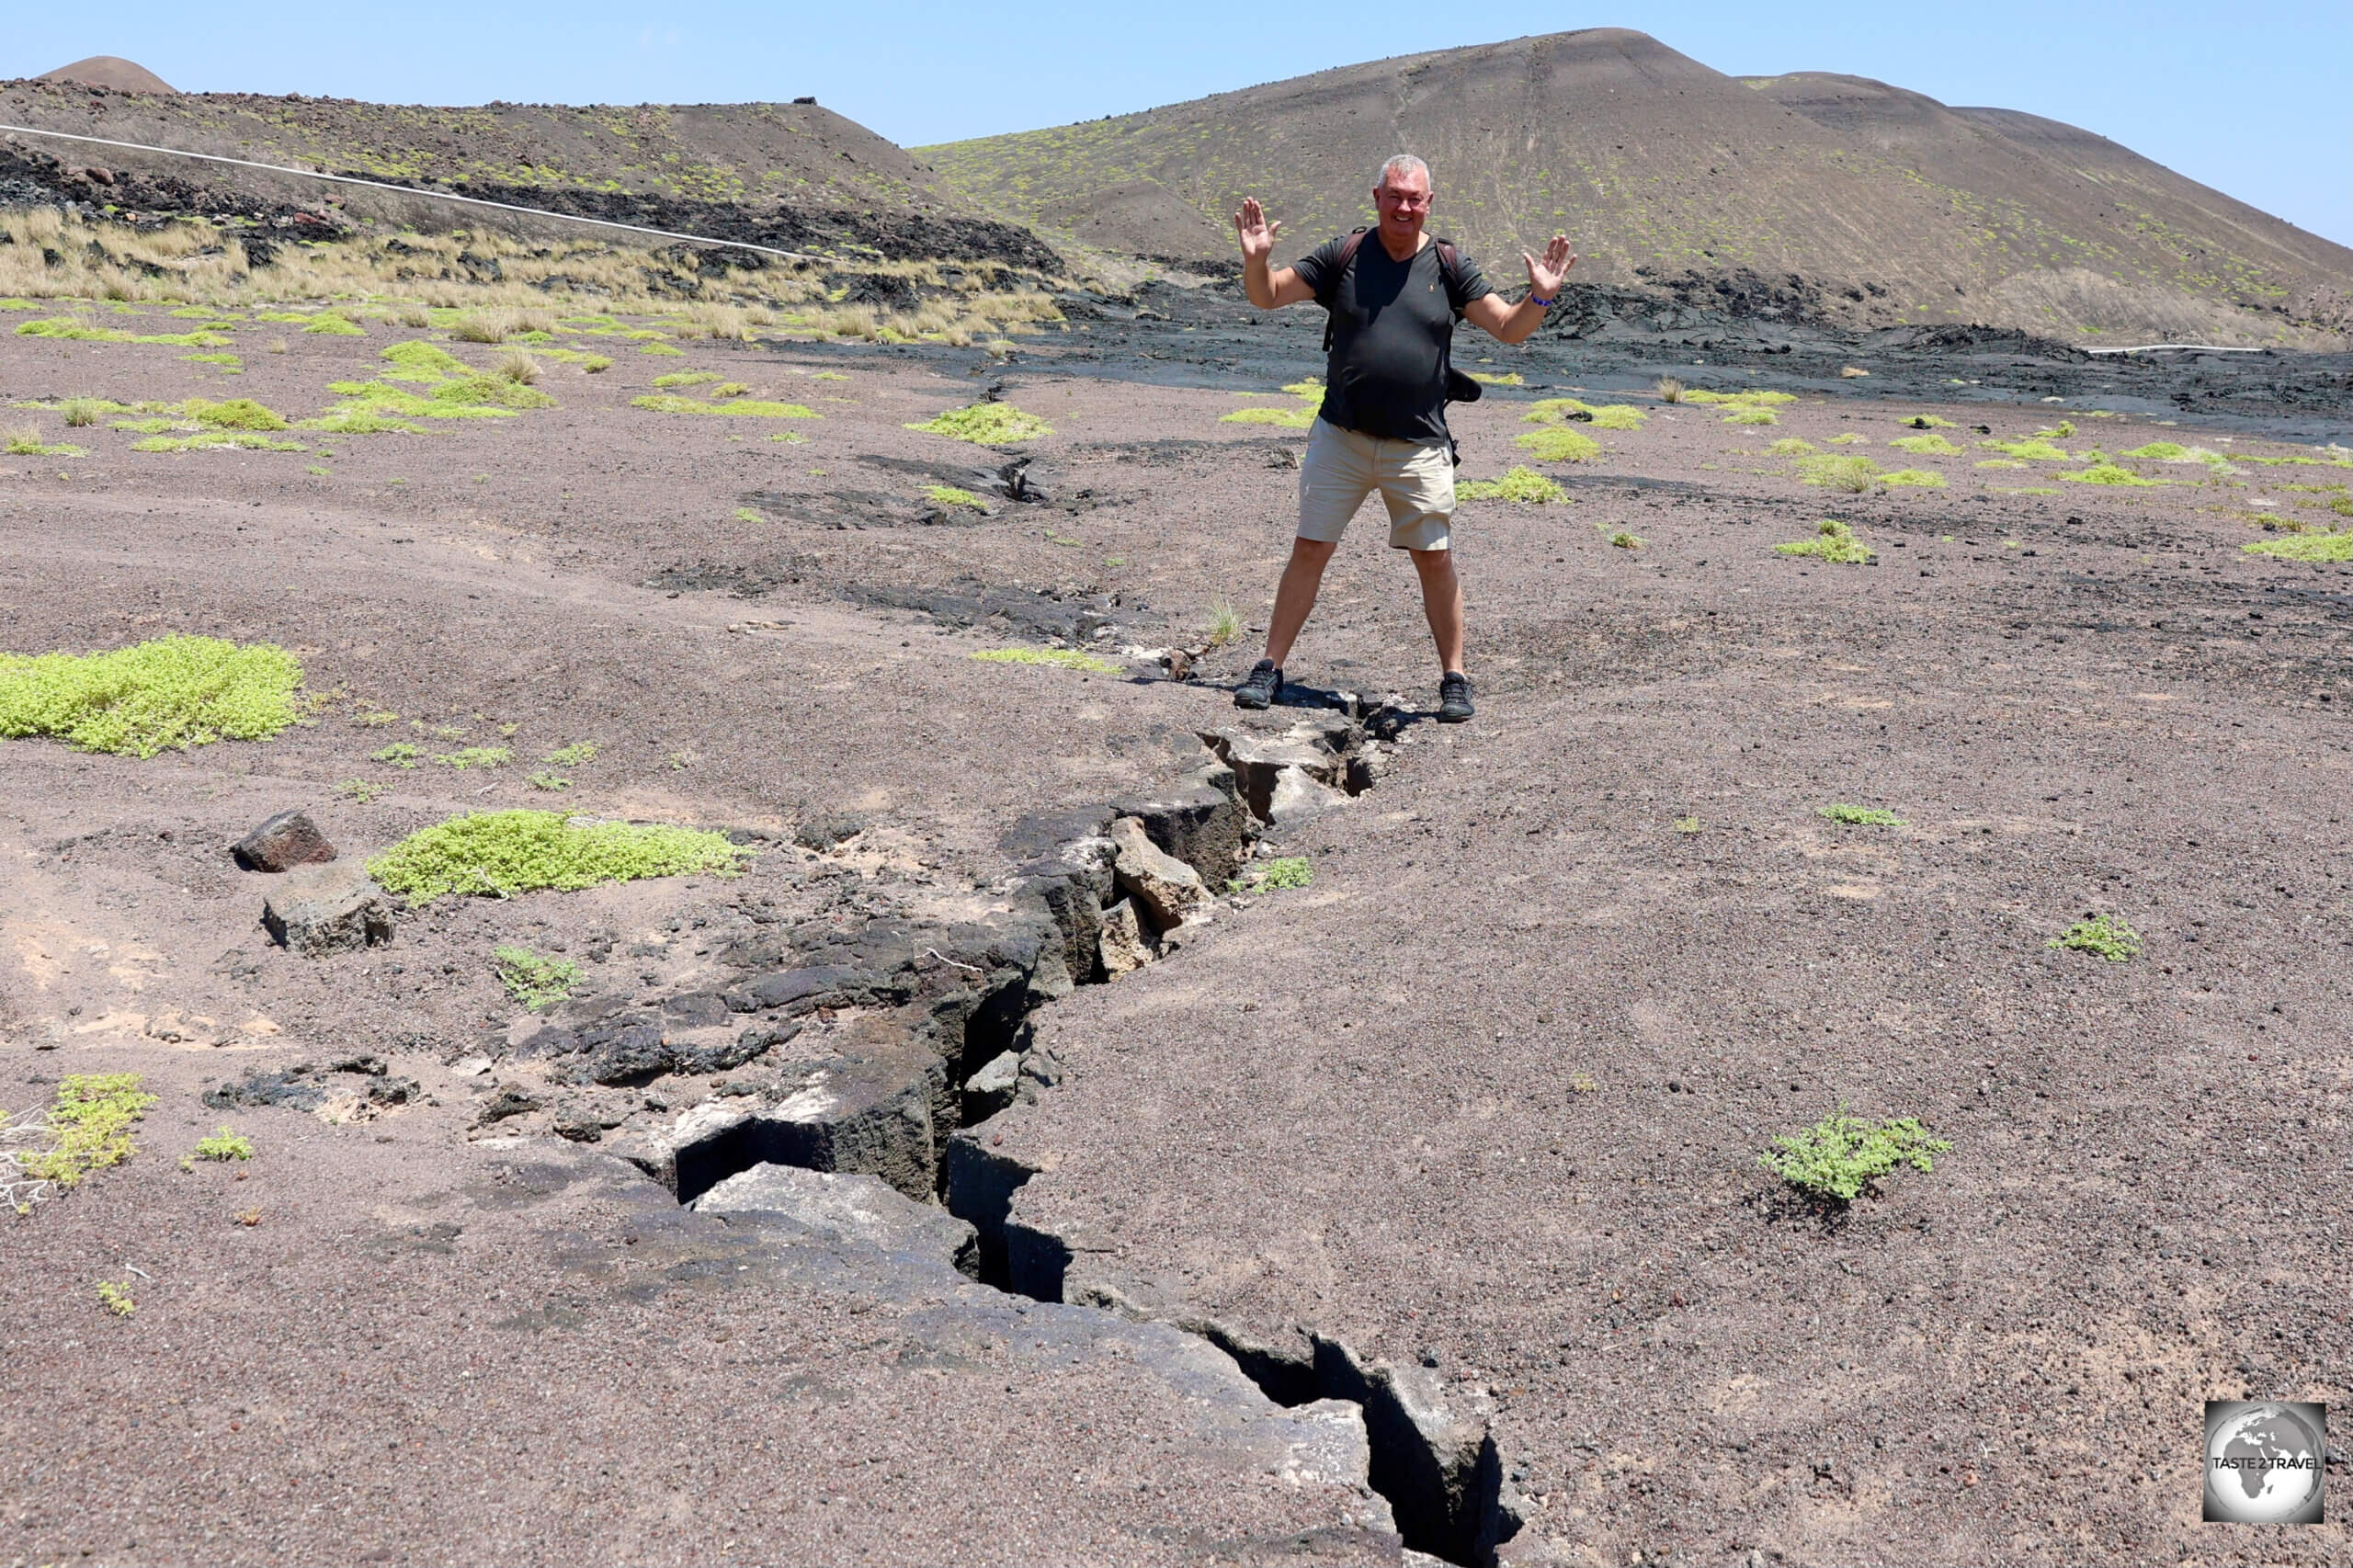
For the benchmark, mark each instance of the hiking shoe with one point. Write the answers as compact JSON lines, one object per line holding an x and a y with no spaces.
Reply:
{"x":1265,"y":684}
{"x":1454,"y":698}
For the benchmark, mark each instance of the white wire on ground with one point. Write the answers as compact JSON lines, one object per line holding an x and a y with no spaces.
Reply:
{"x":412,"y":190}
{"x":2153,"y":347}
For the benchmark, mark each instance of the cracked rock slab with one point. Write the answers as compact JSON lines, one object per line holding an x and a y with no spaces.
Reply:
{"x":319,"y":910}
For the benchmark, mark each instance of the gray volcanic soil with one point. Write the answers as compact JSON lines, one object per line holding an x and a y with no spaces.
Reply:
{"x":1482,"y":1102}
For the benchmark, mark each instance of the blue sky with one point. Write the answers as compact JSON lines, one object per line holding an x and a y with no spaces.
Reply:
{"x":2255,"y":98}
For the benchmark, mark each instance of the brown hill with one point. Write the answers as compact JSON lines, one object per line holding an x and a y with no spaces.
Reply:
{"x":110,"y":71}
{"x":1826,"y":195}
{"x":786,"y":174}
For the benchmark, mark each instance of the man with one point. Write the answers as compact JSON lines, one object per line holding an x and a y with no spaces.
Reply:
{"x":1383,"y":427}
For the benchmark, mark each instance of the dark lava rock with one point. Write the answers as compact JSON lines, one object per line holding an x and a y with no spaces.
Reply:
{"x":285,"y":841}
{"x":824,"y":833}
{"x":508,"y":1101}
{"x":324,"y":909}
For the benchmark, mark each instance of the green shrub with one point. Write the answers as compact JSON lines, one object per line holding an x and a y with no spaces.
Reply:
{"x":1520,"y":484}
{"x":86,"y":1128}
{"x":1281,"y":872}
{"x":534,"y":979}
{"x":399,"y":753}
{"x":170,"y":694}
{"x":948,"y":496}
{"x":1059,"y":658}
{"x":1559,"y":446}
{"x":116,"y":1298}
{"x":1752,"y":416}
{"x":1832,"y":1160}
{"x":2109,"y":937}
{"x":1928,"y":445}
{"x":1860,"y":816}
{"x":1624,"y":541}
{"x":505,"y":853}
{"x":1792,"y":447}
{"x":1833,"y":541}
{"x":572,"y":755}
{"x":236,"y":413}
{"x":2031,"y":448}
{"x":419,"y":361}
{"x":333,"y":325}
{"x":1488,"y":378}
{"x":217,"y":441}
{"x":465,"y":757}
{"x":986,"y":424}
{"x":84,"y":332}
{"x":1851,"y":438}
{"x":1852,"y":476}
{"x":2322,"y":547}
{"x":1288,"y":418}
{"x":684,"y":379}
{"x":1919,"y":478}
{"x":742,"y":408}
{"x":224,"y":1145}
{"x":2108,"y":474}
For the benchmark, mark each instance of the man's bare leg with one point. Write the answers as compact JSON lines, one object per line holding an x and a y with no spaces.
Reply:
{"x":1441,"y":602}
{"x":1295,"y":595}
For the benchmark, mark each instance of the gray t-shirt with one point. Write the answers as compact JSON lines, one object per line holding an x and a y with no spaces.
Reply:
{"x":1392,"y":331}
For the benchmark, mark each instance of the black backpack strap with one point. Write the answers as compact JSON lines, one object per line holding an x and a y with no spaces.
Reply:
{"x":1330,"y":293}
{"x":1449,"y":266}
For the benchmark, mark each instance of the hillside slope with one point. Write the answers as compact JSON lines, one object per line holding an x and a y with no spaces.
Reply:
{"x":1785,"y":194}
{"x":787,"y":174}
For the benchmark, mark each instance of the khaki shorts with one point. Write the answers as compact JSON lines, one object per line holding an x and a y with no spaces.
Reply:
{"x":1342,"y":467}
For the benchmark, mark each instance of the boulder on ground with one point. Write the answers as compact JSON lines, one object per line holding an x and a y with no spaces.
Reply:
{"x":843,"y":1208}
{"x":1168,"y":890}
{"x":1125,"y":948}
{"x":285,"y":841}
{"x":333,"y":908}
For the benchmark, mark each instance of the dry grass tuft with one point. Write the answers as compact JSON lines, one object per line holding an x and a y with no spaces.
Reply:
{"x":517,"y":366}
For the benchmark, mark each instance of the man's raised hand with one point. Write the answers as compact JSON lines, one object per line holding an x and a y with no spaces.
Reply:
{"x":1544,"y":277}
{"x":1257,"y":232}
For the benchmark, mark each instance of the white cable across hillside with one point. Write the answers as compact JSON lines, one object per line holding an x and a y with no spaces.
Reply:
{"x":2153,"y":347}
{"x":412,"y":190}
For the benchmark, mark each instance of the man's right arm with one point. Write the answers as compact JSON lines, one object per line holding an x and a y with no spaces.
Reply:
{"x":1268,"y":289}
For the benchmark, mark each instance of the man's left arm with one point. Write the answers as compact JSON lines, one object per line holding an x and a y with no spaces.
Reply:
{"x":1516,"y":324}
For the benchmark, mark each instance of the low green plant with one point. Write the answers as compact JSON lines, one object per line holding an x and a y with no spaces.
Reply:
{"x":1915,"y":478}
{"x":572,"y":755}
{"x":504,"y":853}
{"x":1624,"y":541}
{"x":2315,"y":547}
{"x":1928,"y":445}
{"x":2108,"y":474}
{"x":1752,"y":416}
{"x":662,"y":349}
{"x":1860,"y":816}
{"x":359,"y":790}
{"x":84,"y":332}
{"x":399,"y":753}
{"x":1059,"y":658}
{"x":2061,"y":431}
{"x":1287,"y":418}
{"x":423,"y":363}
{"x":742,"y":408}
{"x":986,"y":424}
{"x":1489,"y":378}
{"x":168,"y":695}
{"x":1686,"y":824}
{"x":948,"y":496}
{"x":1601,"y":416}
{"x":1225,"y":626}
{"x":328,"y":324}
{"x":1833,"y":1160}
{"x":1851,"y":438}
{"x":115,"y":1299}
{"x":684,"y":379}
{"x":1521,"y":484}
{"x":217,"y":441}
{"x":749,"y":515}
{"x":544,"y":779}
{"x":1833,"y":541}
{"x":2002,"y":463}
{"x":1851,"y":476}
{"x":81,"y":411}
{"x":1273,"y":876}
{"x":1559,"y":445}
{"x":1792,"y":447}
{"x":534,"y":979}
{"x":2103,"y":935}
{"x":1929,"y":422}
{"x":26,"y":443}
{"x":224,"y":1145}
{"x":2031,"y":448}
{"x":1309,"y":388}
{"x":236,"y":413}
{"x":465,"y":757}
{"x":85,"y":1128}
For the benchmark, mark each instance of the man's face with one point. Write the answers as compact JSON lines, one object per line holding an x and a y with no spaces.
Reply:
{"x":1404,"y":201}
